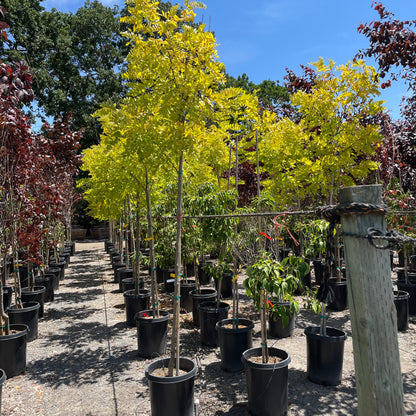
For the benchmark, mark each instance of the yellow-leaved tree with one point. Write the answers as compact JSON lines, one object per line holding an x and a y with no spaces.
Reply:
{"x":333,"y":143}
{"x":172,"y":74}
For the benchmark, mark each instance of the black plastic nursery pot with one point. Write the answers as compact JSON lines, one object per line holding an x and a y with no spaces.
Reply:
{"x":325,"y":355}
{"x":151,"y":333}
{"x":107,"y":245}
{"x":128,"y":284}
{"x":168,"y":273}
{"x":116,"y":267}
{"x":276,"y":327}
{"x":7,"y":296}
{"x":28,"y":315}
{"x":198,"y":297}
{"x":35,"y":295}
{"x":267,"y":383}
{"x":121,"y":272}
{"x":13,"y":350}
{"x":318,"y":268}
{"x":209,"y":314}
{"x":169,"y":285}
{"x":171,"y":396}
{"x":340,"y":289}
{"x":46,"y":281}
{"x":204,"y":277}
{"x":115,"y":259}
{"x":233,"y":341}
{"x":411,"y":276}
{"x":3,"y":378}
{"x":135,"y":303}
{"x":410,"y":288}
{"x":226,"y":285}
{"x":55,"y":272}
{"x":187,"y":285}
{"x":71,"y":246}
{"x":159,"y":275}
{"x":23,"y":275}
{"x":401,"y":301}
{"x":66,"y":255}
{"x":61,"y":266}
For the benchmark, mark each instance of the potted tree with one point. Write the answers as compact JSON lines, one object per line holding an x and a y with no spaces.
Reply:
{"x":282,"y":307}
{"x":325,"y":351}
{"x":266,"y":367}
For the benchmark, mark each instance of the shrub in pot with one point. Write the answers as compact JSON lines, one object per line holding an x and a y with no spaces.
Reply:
{"x":267,"y":368}
{"x":284,"y":278}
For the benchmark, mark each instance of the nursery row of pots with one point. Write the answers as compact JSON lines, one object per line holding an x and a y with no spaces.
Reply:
{"x":24,"y":321}
{"x":266,"y":382}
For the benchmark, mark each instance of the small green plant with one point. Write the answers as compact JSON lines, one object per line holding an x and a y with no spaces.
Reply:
{"x":278,"y":280}
{"x":314,"y":240}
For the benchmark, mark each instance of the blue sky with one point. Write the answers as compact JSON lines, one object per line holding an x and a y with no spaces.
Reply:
{"x":263,"y":37}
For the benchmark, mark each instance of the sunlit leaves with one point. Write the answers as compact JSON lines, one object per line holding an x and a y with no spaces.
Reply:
{"x":331,"y":144}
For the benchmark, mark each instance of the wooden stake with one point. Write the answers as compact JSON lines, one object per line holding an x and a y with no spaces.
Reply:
{"x":373,"y":314}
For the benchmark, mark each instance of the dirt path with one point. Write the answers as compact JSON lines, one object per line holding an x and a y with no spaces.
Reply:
{"x":85,"y":361}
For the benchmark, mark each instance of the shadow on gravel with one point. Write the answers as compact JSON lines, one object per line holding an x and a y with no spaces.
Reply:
{"x":77,"y":297}
{"x":73,"y":314}
{"x":239,"y":409}
{"x":225,"y":386}
{"x":88,"y":281}
{"x":314,"y":399}
{"x":81,"y":366}
{"x":409,"y":382}
{"x":81,"y":334}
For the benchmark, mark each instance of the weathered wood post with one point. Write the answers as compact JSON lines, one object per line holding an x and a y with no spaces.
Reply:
{"x":373,"y":314}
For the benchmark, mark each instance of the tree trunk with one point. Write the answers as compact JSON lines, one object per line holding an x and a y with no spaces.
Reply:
{"x":174,"y":358}
{"x":155,"y":294}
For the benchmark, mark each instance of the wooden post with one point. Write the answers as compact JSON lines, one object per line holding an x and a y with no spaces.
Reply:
{"x":373,"y":314}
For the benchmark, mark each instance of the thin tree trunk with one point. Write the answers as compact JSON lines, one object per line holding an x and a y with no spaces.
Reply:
{"x":4,"y":318}
{"x":136,"y":271}
{"x":236,"y":166}
{"x":155,"y":295}
{"x":258,"y":188}
{"x":174,"y":358}
{"x":229,"y":168}
{"x":126,"y":236}
{"x":264,"y":350}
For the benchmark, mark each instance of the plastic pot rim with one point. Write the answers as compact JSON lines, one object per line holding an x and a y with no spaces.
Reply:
{"x":312,"y":332}
{"x":212,"y":306}
{"x":209,"y":292}
{"x":34,"y":305}
{"x":22,"y":328}
{"x":248,"y":325}
{"x":333,"y":282}
{"x":191,"y":369}
{"x":165,"y":315}
{"x":400,"y":295}
{"x":143,"y":293}
{"x":36,"y":289}
{"x":190,"y":282}
{"x":256,"y":352}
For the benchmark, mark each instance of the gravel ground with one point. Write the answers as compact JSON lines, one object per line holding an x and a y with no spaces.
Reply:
{"x":85,"y":360}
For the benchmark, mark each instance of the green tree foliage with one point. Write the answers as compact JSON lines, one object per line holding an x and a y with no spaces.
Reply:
{"x":74,"y":57}
{"x":270,"y":93}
